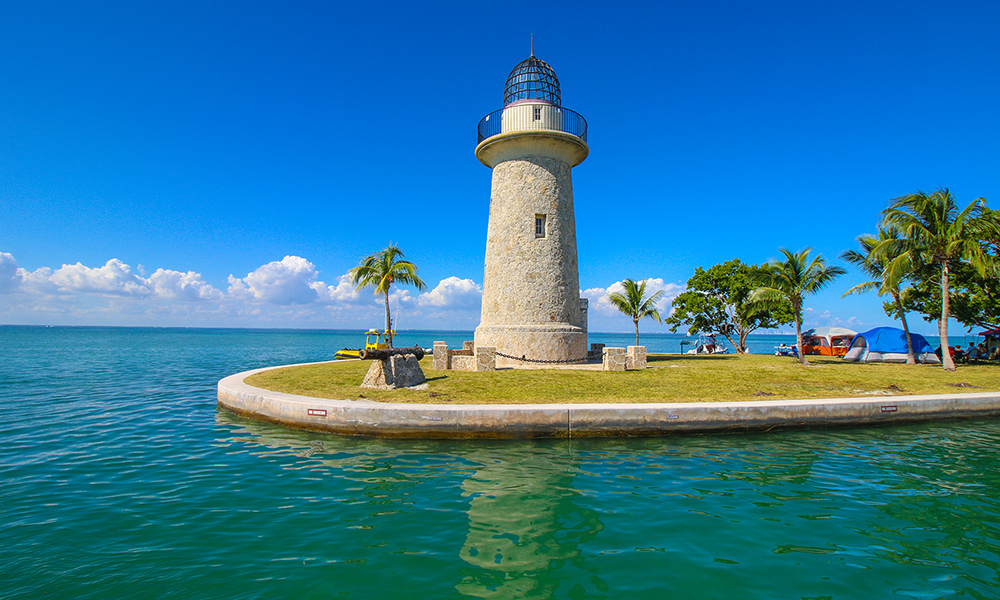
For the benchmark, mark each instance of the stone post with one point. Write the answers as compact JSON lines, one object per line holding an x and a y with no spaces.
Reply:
{"x":615,"y":359}
{"x":486,"y":358}
{"x":441,"y":362}
{"x":636,"y":357}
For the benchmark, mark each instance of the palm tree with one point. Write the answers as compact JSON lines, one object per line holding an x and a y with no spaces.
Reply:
{"x":874,"y":264}
{"x":633,"y":302}
{"x":793,"y":279}
{"x":937,"y":233}
{"x":380,"y":270}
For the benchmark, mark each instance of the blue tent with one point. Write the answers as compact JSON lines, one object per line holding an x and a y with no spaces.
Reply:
{"x":888,"y":344}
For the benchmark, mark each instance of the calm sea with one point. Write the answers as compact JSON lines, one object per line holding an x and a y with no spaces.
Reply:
{"x":121,"y":479}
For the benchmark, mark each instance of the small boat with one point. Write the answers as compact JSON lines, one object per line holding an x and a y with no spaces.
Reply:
{"x":374,"y":340}
{"x":706,"y":344}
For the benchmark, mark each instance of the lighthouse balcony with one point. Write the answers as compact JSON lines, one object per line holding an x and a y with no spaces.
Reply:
{"x":528,"y":115}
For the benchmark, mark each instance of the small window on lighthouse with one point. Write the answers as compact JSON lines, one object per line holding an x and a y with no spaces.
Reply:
{"x":539,"y":226}
{"x":538,"y":113}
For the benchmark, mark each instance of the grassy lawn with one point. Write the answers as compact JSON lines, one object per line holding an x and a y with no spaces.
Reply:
{"x":671,"y":378}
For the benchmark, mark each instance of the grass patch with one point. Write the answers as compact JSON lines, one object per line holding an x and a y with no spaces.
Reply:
{"x":671,"y":378}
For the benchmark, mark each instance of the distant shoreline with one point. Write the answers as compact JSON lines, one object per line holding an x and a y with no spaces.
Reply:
{"x":642,"y":335}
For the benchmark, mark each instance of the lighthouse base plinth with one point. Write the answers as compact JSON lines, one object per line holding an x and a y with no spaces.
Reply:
{"x":558,"y":342}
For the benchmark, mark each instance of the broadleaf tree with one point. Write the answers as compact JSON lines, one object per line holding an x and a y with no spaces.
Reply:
{"x":717,"y":301}
{"x":974,"y":299}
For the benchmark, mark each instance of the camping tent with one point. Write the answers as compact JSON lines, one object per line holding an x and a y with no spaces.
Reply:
{"x":992,"y":342}
{"x":888,"y":344}
{"x":828,"y":341}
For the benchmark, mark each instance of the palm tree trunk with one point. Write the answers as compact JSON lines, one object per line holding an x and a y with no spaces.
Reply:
{"x":911,"y":358}
{"x":798,"y":334}
{"x":636,"y":331}
{"x":388,"y":321}
{"x":946,"y":360}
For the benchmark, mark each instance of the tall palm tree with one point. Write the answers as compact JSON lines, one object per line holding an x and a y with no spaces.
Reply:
{"x":792,"y":279}
{"x":633,"y":302}
{"x":883,"y":280}
{"x":380,"y":270}
{"x":937,"y":233}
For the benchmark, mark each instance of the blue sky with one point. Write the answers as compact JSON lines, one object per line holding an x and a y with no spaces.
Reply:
{"x":225,"y":164}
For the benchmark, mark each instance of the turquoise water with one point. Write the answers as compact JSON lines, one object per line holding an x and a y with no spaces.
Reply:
{"x":122,"y":480}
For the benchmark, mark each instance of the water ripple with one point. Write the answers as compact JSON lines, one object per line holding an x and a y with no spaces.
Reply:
{"x":122,"y":479}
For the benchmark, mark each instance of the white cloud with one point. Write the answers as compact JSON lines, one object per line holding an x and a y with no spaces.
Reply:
{"x":344,"y":292}
{"x":400,"y":296}
{"x":600,"y":304}
{"x":277,"y":294}
{"x":187,"y":286}
{"x":454,"y":293}
{"x":288,"y":293}
{"x":115,"y":278}
{"x":9,"y":276}
{"x":238,"y":289}
{"x":38,"y":281}
{"x":826,"y":318}
{"x":292,"y":280}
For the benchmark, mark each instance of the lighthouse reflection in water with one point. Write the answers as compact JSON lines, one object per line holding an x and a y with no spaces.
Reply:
{"x":809,"y":513}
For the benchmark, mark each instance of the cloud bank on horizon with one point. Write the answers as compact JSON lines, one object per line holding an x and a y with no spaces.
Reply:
{"x":283,"y":293}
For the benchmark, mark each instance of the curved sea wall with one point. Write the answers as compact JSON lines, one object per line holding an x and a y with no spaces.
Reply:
{"x":386,"y":419}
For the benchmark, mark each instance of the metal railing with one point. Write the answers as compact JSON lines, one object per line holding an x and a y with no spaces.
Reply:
{"x":543,"y":116}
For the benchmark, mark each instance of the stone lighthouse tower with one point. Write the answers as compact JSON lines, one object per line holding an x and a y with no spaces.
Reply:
{"x":531,"y":287}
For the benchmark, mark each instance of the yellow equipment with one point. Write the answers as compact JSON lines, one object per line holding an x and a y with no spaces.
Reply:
{"x":374,"y":340}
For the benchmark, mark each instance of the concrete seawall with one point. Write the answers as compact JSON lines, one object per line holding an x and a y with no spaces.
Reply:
{"x":386,"y":419}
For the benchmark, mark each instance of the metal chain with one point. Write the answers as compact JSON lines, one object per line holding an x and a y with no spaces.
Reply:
{"x":549,"y":362}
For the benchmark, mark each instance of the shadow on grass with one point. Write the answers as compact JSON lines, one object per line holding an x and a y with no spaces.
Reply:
{"x":653,"y":358}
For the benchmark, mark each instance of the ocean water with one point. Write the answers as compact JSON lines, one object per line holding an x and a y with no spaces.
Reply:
{"x":121,"y":479}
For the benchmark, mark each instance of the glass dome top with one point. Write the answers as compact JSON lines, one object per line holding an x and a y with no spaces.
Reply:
{"x":532,"y":79}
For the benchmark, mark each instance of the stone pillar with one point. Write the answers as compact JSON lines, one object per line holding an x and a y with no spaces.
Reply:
{"x":615,"y":359}
{"x":636,"y":357}
{"x":468,"y":346}
{"x":441,"y":362}
{"x":486,"y":358}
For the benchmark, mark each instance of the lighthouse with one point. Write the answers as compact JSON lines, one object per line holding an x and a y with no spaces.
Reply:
{"x":532,"y":308}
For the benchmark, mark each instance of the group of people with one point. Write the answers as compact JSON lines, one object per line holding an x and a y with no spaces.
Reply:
{"x":784,"y":350}
{"x":973,"y":352}
{"x":980,"y":352}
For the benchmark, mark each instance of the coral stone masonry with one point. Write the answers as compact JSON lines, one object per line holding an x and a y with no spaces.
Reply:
{"x":531,"y":290}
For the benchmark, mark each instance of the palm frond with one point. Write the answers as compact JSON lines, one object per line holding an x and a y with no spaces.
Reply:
{"x":381,"y":269}
{"x":863,"y":288}
{"x":632,"y":300}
